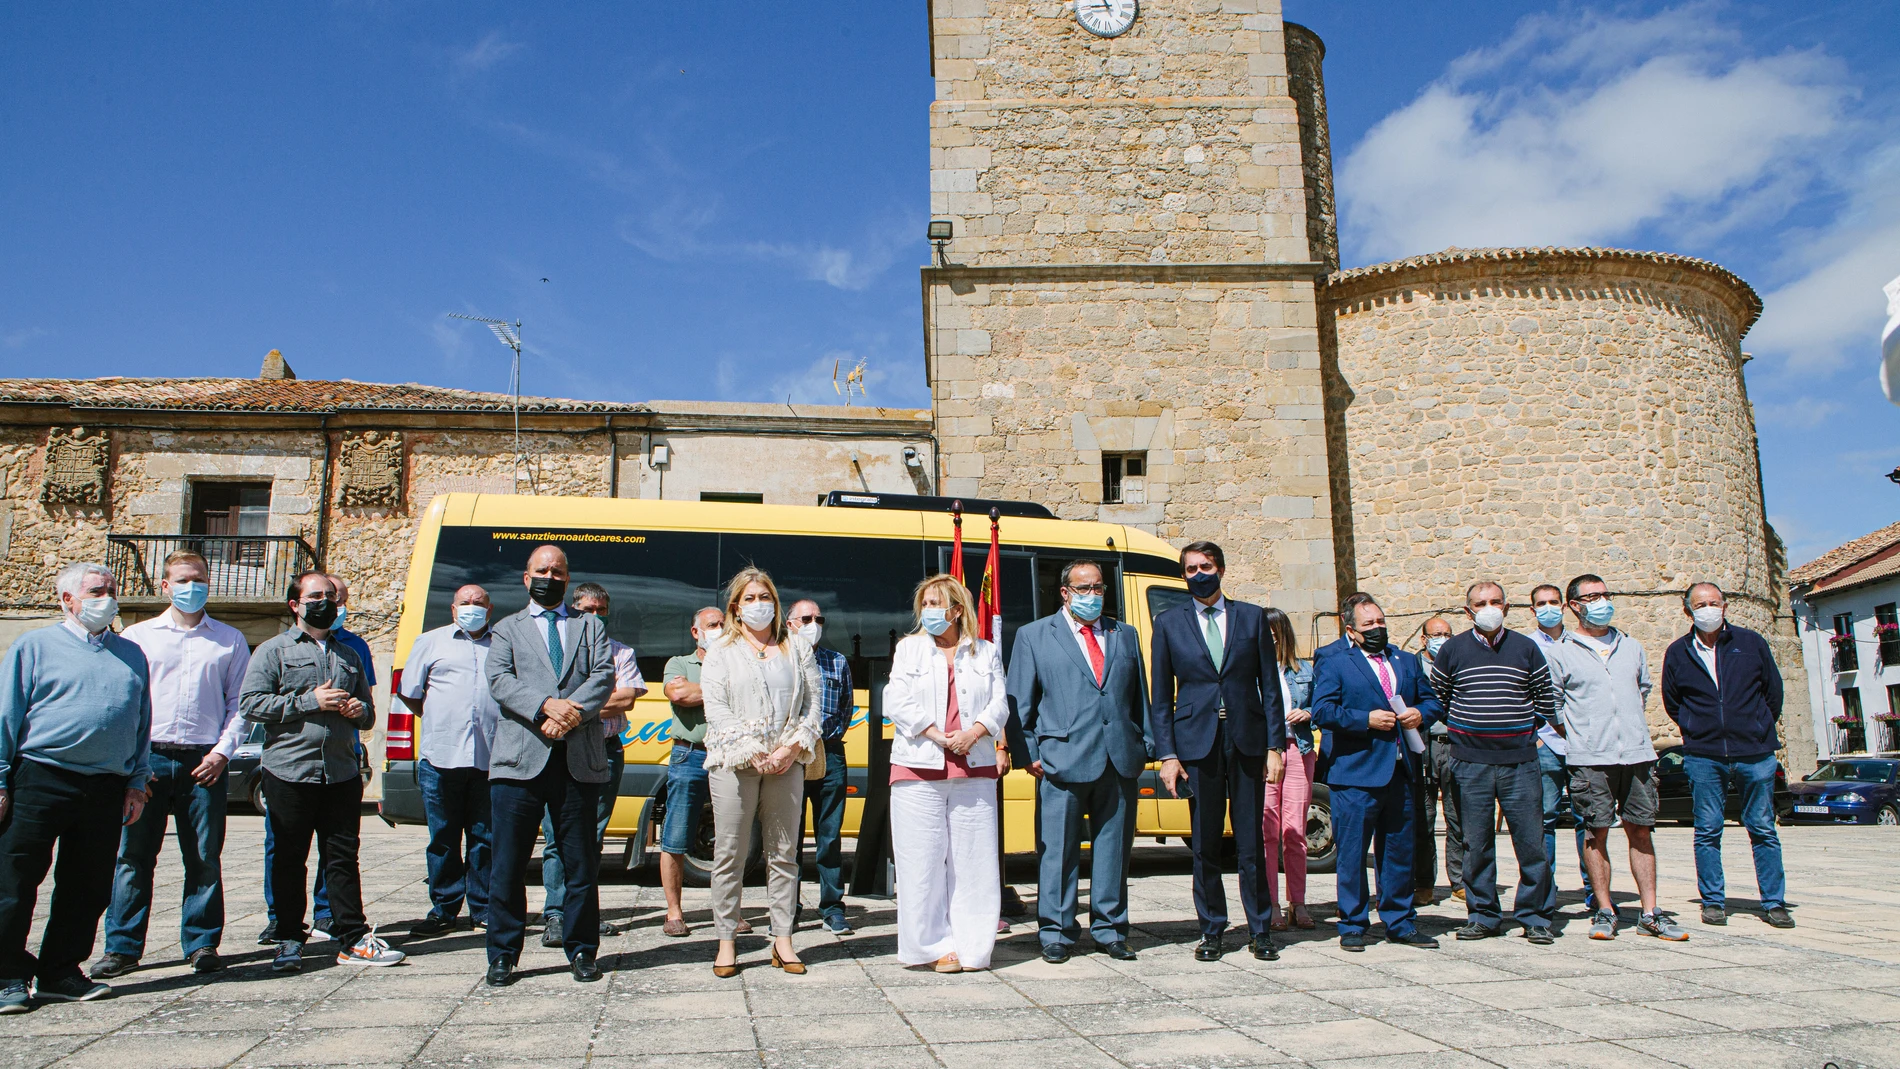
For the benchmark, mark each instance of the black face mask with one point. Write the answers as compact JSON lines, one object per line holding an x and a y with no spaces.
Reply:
{"x":547,"y":591}
{"x":319,"y":614}
{"x":1204,"y":584}
{"x":1372,"y":640}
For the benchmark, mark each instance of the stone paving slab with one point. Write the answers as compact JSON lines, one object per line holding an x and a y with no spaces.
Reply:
{"x":1736,"y":997}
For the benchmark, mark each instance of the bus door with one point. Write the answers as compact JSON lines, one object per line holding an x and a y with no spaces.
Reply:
{"x":1158,"y":812}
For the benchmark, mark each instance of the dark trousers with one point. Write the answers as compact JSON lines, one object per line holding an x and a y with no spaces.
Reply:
{"x":1424,"y":829}
{"x":198,"y":813}
{"x":827,"y":797}
{"x":455,"y":803}
{"x":1228,"y":779}
{"x":553,"y":869}
{"x":319,"y":894}
{"x":573,"y":809}
{"x":333,"y":814}
{"x":1108,"y":803}
{"x":1518,"y":790}
{"x":1445,"y":786}
{"x":1384,"y":816}
{"x":82,"y":814}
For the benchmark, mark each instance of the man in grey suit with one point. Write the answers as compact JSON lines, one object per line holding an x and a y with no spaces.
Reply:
{"x":1076,"y":687}
{"x":550,"y":672}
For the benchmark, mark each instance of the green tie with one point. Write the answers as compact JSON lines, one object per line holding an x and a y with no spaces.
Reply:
{"x":1213,"y":638}
{"x":554,"y":642}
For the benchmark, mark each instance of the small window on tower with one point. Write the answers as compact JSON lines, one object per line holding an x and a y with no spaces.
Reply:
{"x":1124,"y":478}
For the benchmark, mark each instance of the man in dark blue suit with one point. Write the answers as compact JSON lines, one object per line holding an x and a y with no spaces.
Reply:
{"x":1220,"y":725}
{"x":1375,"y":704}
{"x":1081,"y":713}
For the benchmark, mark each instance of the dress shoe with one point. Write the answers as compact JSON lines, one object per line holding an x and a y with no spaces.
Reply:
{"x":1263,"y":948}
{"x":1458,"y":893}
{"x":1539,"y":934}
{"x":585,"y":968}
{"x":1413,"y":938}
{"x":610,"y":928}
{"x":792,"y":968}
{"x":1714,"y":915}
{"x":1476,"y":930}
{"x":1209,"y":950}
{"x":1055,"y":953}
{"x":726,"y":972}
{"x":1013,"y":902}
{"x":501,"y":972}
{"x":1118,"y":950}
{"x":1354,"y":942}
{"x":552,"y":932}
{"x":432,"y":925}
{"x":744,"y":927}
{"x":1424,"y":896}
{"x":204,"y":960}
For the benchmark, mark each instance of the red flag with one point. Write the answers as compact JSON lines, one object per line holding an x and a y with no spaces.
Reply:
{"x":956,"y":546}
{"x":989,"y":604}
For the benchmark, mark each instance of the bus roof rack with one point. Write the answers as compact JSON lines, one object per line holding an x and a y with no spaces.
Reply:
{"x":972,"y":506}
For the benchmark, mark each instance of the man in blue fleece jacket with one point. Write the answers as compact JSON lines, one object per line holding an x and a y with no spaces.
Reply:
{"x":75,"y":736}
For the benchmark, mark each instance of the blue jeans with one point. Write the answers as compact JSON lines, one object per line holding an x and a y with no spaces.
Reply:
{"x":553,"y":872}
{"x":1484,"y":789}
{"x":1556,"y":778}
{"x":319,"y":894}
{"x":686,"y":798}
{"x":1708,"y":784}
{"x":455,"y":802}
{"x":827,"y":810}
{"x":198,"y":812}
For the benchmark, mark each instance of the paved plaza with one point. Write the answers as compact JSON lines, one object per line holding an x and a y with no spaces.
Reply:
{"x":1743,"y":996}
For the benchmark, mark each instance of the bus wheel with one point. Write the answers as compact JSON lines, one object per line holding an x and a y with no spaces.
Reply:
{"x":1321,"y":852}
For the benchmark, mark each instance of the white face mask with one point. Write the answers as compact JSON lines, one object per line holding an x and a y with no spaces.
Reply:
{"x":95,"y":614}
{"x":758,"y":614}
{"x":1709,"y":617}
{"x":812,"y":632}
{"x":1489,"y":618}
{"x":471,"y":618}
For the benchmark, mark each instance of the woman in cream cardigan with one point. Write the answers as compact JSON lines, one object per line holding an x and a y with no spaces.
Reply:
{"x":947,"y":704}
{"x":760,"y":685}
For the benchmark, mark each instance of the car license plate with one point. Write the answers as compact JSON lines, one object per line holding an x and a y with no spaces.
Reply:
{"x":1821,"y":809}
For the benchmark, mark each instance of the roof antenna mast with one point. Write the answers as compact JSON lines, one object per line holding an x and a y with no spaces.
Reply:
{"x":510,"y":335}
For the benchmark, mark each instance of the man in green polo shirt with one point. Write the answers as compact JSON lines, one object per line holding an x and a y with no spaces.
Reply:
{"x":686,"y":792}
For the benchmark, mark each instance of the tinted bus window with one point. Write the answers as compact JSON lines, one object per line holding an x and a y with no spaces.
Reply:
{"x":1019,"y":586}
{"x":1049,"y":582}
{"x":862,"y":585}
{"x":1162,"y":598}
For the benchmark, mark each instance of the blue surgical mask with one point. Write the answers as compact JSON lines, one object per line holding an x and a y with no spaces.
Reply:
{"x":1085,"y":607}
{"x":1550,"y":615}
{"x":1599,"y":613}
{"x":471,"y":618}
{"x":342,"y":614}
{"x":936,"y":621}
{"x":190,"y":597}
{"x":1436,"y":643}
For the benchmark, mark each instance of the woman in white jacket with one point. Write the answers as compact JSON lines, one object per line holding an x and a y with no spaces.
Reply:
{"x":947,"y":705}
{"x":760,"y":684}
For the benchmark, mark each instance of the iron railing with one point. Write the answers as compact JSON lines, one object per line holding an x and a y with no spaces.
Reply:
{"x":243,"y":567}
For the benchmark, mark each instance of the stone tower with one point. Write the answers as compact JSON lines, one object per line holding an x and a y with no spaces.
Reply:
{"x":1127,"y":312}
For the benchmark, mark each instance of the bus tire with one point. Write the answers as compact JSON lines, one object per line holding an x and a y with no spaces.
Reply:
{"x":1322,"y":854}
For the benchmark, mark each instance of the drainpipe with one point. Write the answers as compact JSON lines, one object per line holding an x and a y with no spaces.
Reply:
{"x":613,"y":459}
{"x":323,"y":501}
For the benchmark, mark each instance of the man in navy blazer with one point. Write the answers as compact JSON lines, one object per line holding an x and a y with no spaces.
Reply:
{"x":1373,"y":701}
{"x":1081,"y":713}
{"x":1219,"y":724}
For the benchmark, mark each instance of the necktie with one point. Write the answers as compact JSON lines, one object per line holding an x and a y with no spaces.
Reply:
{"x":1095,"y":651}
{"x":1213,"y":638}
{"x":554,"y":641}
{"x":1385,"y":675}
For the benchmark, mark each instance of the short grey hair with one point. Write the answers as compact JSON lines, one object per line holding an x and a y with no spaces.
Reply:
{"x":697,"y":613}
{"x":74,"y":575}
{"x":1689,"y":594}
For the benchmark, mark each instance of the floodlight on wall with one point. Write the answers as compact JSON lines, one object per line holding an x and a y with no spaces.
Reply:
{"x":940,"y":232}
{"x":509,"y":334}
{"x":911,"y":459}
{"x":662,"y":453}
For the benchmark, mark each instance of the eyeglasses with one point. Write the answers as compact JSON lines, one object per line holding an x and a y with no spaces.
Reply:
{"x":1092,"y":588}
{"x":809,"y":618}
{"x":1598,"y":596}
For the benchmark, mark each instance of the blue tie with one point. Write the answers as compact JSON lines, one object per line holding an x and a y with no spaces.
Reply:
{"x":554,"y":642}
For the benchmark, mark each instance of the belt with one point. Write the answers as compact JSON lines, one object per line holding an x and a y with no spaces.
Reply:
{"x":176,"y":747}
{"x":700,"y":746}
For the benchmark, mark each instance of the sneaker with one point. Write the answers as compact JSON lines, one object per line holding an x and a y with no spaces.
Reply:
{"x":268,"y":937}
{"x":1779,"y":917}
{"x":1540,"y":935}
{"x":289,"y":957}
{"x":1714,"y":915}
{"x":836,"y":924}
{"x":13,"y":997}
{"x":370,"y":950}
{"x":1662,"y":926}
{"x":432,"y":925}
{"x":552,"y":933}
{"x":112,"y":965}
{"x":320,"y":930}
{"x":204,"y":960}
{"x":1476,"y":930}
{"x":74,"y":988}
{"x":1603,"y":926}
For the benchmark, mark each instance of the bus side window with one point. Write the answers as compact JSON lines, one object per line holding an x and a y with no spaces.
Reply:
{"x":1049,"y":583}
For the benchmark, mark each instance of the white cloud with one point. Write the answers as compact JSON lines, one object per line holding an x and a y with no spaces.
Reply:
{"x":676,"y":231}
{"x":17,"y":339}
{"x":483,"y":54}
{"x":1800,"y":413}
{"x":1580,"y":134}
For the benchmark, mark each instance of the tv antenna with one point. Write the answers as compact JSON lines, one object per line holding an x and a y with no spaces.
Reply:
{"x":510,"y":335}
{"x":853,"y":380}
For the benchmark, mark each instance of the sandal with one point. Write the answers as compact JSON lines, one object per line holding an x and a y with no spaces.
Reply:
{"x":1302,"y":918}
{"x":1276,"y":920}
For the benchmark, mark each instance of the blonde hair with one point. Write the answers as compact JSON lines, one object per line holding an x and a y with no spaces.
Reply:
{"x":956,"y":596}
{"x":735,"y":627}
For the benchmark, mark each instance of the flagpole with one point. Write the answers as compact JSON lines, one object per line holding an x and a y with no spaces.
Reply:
{"x":993,"y":608}
{"x":956,"y":547}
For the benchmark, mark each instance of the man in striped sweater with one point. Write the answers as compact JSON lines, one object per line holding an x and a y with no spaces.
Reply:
{"x":1496,"y":691}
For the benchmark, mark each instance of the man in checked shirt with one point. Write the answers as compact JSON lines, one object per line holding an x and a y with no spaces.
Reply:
{"x":837,"y":703}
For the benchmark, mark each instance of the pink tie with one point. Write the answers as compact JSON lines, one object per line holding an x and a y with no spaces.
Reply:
{"x":1385,"y":675}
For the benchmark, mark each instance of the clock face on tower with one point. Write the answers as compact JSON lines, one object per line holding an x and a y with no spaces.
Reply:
{"x":1107,"y":18}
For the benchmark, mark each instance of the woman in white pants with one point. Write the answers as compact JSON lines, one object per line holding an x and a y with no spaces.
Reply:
{"x":947,"y":705}
{"x":760,"y":684}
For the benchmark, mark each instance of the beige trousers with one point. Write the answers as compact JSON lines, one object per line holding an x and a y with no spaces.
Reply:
{"x":778,"y":803}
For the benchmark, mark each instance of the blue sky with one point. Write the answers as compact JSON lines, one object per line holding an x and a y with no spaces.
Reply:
{"x":726,"y":200}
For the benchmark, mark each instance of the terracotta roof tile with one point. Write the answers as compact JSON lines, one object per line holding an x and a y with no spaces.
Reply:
{"x":1842,"y":556}
{"x":278,"y":395}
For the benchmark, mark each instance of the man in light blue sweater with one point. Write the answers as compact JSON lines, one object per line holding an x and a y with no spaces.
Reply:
{"x":75,"y":739}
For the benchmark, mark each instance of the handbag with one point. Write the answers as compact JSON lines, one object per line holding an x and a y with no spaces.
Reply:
{"x":816,"y":769}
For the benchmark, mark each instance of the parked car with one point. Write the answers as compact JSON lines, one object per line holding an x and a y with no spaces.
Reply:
{"x":1672,"y":783}
{"x":1849,"y":790}
{"x":245,"y":771}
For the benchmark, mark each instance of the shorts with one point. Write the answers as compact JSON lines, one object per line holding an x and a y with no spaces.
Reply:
{"x":686,"y":798}
{"x":1600,"y":793}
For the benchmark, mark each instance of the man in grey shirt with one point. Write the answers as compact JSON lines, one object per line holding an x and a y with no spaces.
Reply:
{"x":312,"y":695}
{"x":1602,"y":680}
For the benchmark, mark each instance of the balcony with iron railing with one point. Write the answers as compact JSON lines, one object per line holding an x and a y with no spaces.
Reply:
{"x":243,"y":568}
